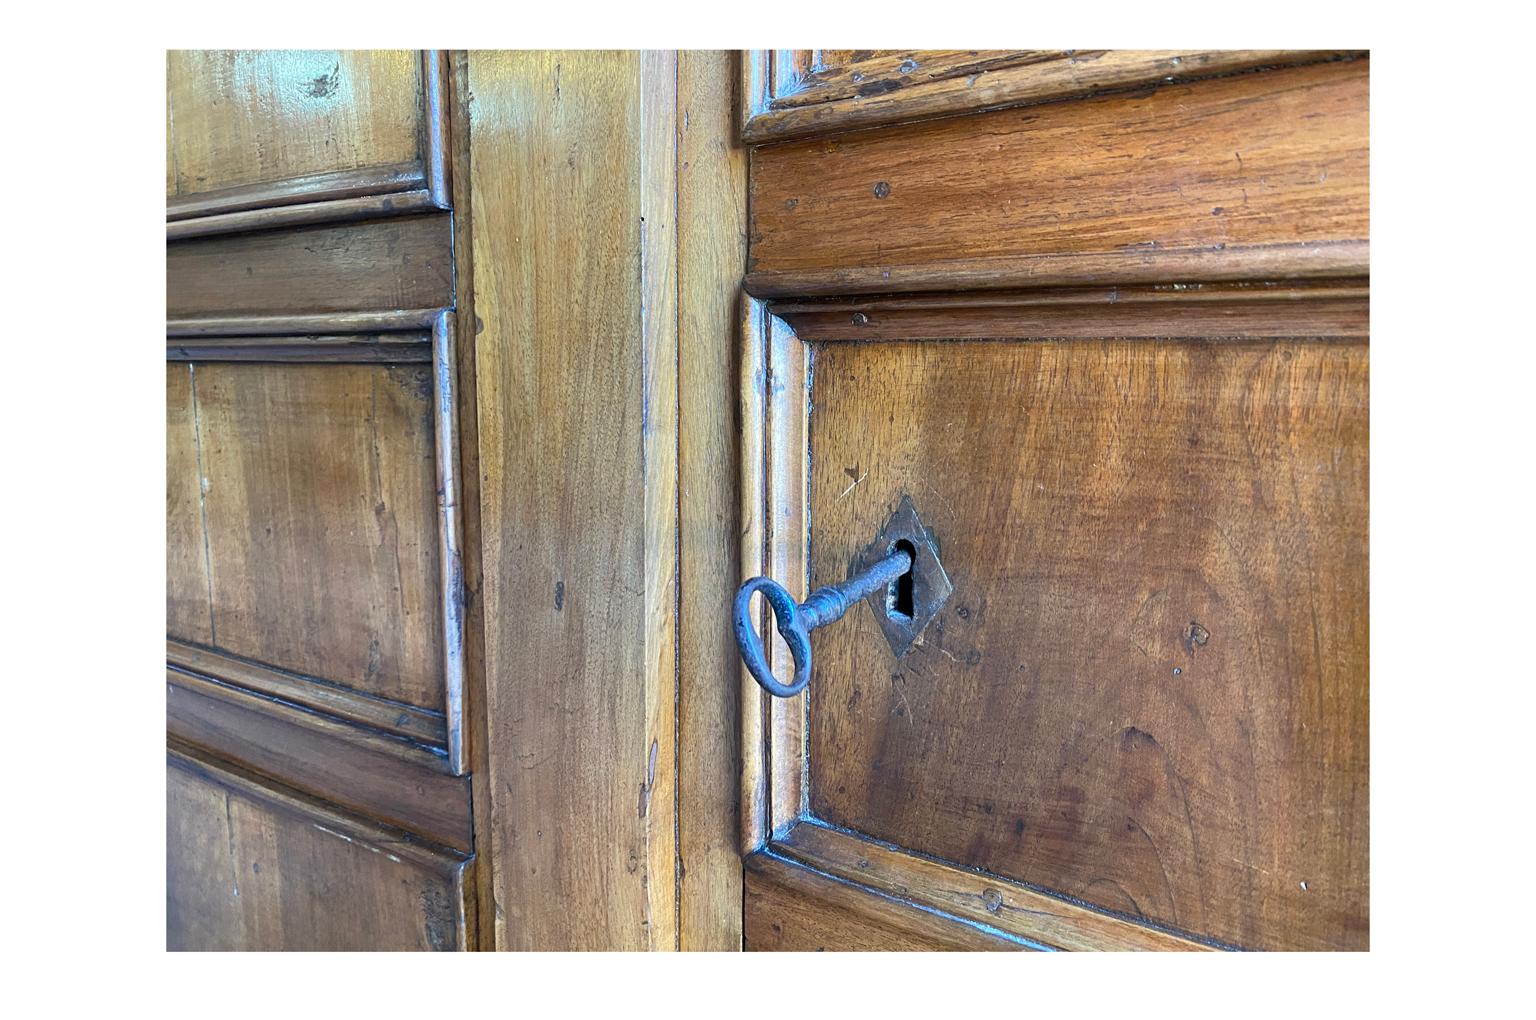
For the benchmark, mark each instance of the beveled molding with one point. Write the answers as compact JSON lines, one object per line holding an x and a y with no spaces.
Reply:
{"x":372,"y":773}
{"x":362,"y":828}
{"x":382,"y":348}
{"x":397,"y":718}
{"x":974,"y":898}
{"x":329,"y":343}
{"x":336,"y":196}
{"x":801,"y":93}
{"x":776,"y":819}
{"x":1328,"y":309}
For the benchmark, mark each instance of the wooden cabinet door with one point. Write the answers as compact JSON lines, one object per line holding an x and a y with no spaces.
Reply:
{"x":318,"y":795}
{"x":1102,"y":319}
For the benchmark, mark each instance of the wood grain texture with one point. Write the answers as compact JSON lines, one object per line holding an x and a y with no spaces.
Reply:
{"x":1334,"y":309}
{"x":188,"y":598}
{"x":790,"y":908}
{"x":422,"y":726}
{"x":328,"y":188}
{"x":252,"y":867}
{"x":377,"y":266}
{"x":243,"y":117}
{"x":450,"y":541}
{"x":576,"y":299}
{"x":712,"y":251}
{"x":318,"y":497}
{"x":828,"y":91}
{"x":752,"y":409}
{"x":1149,"y":689}
{"x":1260,"y":176}
{"x":381,"y":348}
{"x":468,"y":327}
{"x":973,"y":896}
{"x":787,"y":544}
{"x":376,"y":775}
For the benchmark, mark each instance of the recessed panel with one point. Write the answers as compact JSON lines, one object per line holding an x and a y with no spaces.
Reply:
{"x":241,"y":117}
{"x":1149,"y":688}
{"x":316,"y":525}
{"x":252,"y":869}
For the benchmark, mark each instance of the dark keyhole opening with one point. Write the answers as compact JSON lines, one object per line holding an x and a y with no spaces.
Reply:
{"x":899,"y":598}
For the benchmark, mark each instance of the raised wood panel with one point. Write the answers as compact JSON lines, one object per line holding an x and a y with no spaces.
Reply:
{"x":379,"y":266}
{"x":1257,"y":176}
{"x":798,"y":93}
{"x":1148,"y":691}
{"x":377,"y":775}
{"x":239,"y":117}
{"x":791,"y":908}
{"x":318,"y":500}
{"x":249,"y":867}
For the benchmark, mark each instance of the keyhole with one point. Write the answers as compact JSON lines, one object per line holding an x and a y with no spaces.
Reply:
{"x":899,"y":600}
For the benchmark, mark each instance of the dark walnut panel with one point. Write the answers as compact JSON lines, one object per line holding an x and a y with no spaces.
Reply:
{"x":1256,"y":176}
{"x":381,"y":266}
{"x":1149,"y":689}
{"x":317,"y":533}
{"x":247,"y":117}
{"x":251,"y":868}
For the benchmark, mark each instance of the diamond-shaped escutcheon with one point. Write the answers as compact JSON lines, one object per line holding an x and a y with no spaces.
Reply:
{"x":906,"y":606}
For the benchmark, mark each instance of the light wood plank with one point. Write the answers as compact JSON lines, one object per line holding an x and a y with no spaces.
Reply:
{"x":568,"y":154}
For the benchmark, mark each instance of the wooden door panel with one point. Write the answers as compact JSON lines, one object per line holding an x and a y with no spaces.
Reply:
{"x":1255,"y":174}
{"x":251,"y":867}
{"x":252,"y":283}
{"x":254,"y":117}
{"x":316,"y":638}
{"x":317,"y":528}
{"x":1146,"y":690}
{"x":1114,"y":350}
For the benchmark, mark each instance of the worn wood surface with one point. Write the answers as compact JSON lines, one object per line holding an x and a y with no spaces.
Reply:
{"x":467,"y":340}
{"x":424,"y":726}
{"x":244,"y":117}
{"x":1148,"y":691}
{"x":319,"y":521}
{"x":377,"y":266}
{"x":325,"y":190}
{"x":1333,"y":308}
{"x":250,"y":867}
{"x":787,"y":536}
{"x":314,"y":495}
{"x":752,"y":500}
{"x":188,"y":598}
{"x":797,"y":93}
{"x":711,"y":253}
{"x":977,"y":897}
{"x":573,"y":296}
{"x":378,"y":775}
{"x":383,"y":348}
{"x":1259,"y":176}
{"x":790,"y":908}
